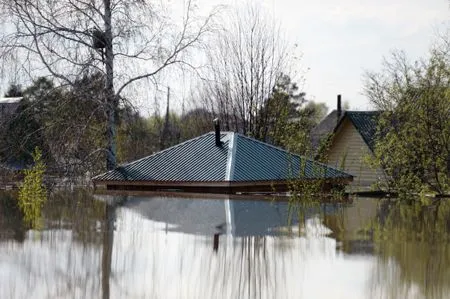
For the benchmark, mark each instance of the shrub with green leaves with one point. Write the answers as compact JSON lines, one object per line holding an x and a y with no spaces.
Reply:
{"x":32,"y":192}
{"x":413,"y":145}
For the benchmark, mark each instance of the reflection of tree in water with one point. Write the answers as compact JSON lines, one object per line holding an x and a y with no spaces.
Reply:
{"x":346,"y":222}
{"x":107,"y":248}
{"x":11,"y":225}
{"x":64,"y":259}
{"x":412,"y":244}
{"x":91,"y":221}
{"x":79,"y":211}
{"x":252,"y":270}
{"x":246,"y":268}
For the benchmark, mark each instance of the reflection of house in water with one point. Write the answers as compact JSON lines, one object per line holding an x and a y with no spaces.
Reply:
{"x":240,"y":217}
{"x":10,"y":170}
{"x":11,"y":227}
{"x":243,"y":217}
{"x":349,"y":221}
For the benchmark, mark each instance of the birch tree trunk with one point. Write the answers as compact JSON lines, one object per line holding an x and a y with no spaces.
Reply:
{"x":110,"y":97}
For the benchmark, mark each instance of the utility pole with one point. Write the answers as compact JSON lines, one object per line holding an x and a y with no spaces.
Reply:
{"x":166,"y":131}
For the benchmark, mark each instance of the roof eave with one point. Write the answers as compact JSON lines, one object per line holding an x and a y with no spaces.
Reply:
{"x":221,"y":184}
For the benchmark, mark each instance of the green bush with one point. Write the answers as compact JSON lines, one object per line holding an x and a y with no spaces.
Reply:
{"x":32,"y":192}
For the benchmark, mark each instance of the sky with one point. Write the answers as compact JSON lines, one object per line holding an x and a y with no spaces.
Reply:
{"x":340,"y":40}
{"x":337,"y":42}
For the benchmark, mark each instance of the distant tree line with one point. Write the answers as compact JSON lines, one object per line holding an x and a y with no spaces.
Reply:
{"x":67,"y":124}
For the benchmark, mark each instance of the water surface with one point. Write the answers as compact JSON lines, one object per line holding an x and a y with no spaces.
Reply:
{"x":173,"y":247}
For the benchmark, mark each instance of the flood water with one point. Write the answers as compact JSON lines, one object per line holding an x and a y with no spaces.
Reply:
{"x":173,"y":247}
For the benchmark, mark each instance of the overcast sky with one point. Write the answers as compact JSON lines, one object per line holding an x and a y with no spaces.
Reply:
{"x":341,"y":39}
{"x":338,"y":41}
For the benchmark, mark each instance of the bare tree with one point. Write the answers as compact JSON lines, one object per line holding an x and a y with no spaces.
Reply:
{"x":247,"y":59}
{"x":126,"y":41}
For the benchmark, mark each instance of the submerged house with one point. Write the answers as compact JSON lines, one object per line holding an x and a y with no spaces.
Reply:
{"x":9,"y":169}
{"x":351,"y":140}
{"x":8,"y":106}
{"x":220,"y":162}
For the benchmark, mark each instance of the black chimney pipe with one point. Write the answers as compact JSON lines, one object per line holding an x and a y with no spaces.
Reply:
{"x":339,"y":107}
{"x":217,"y":130}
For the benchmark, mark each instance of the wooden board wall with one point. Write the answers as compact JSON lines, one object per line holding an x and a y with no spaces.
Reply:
{"x":348,"y":151}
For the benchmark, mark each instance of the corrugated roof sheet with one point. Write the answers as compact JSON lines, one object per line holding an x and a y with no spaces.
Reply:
{"x":324,"y":128}
{"x":197,"y":159}
{"x":365,"y":123}
{"x":259,"y":161}
{"x":240,"y":158}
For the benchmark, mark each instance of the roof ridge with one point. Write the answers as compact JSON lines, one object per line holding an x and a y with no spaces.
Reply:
{"x":155,"y":154}
{"x":231,"y":157}
{"x":288,"y":152}
{"x":361,"y":112}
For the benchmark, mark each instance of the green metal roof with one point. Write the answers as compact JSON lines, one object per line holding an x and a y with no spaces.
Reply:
{"x":259,"y":161}
{"x":325,"y":128}
{"x":365,"y":123}
{"x":238,"y":159}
